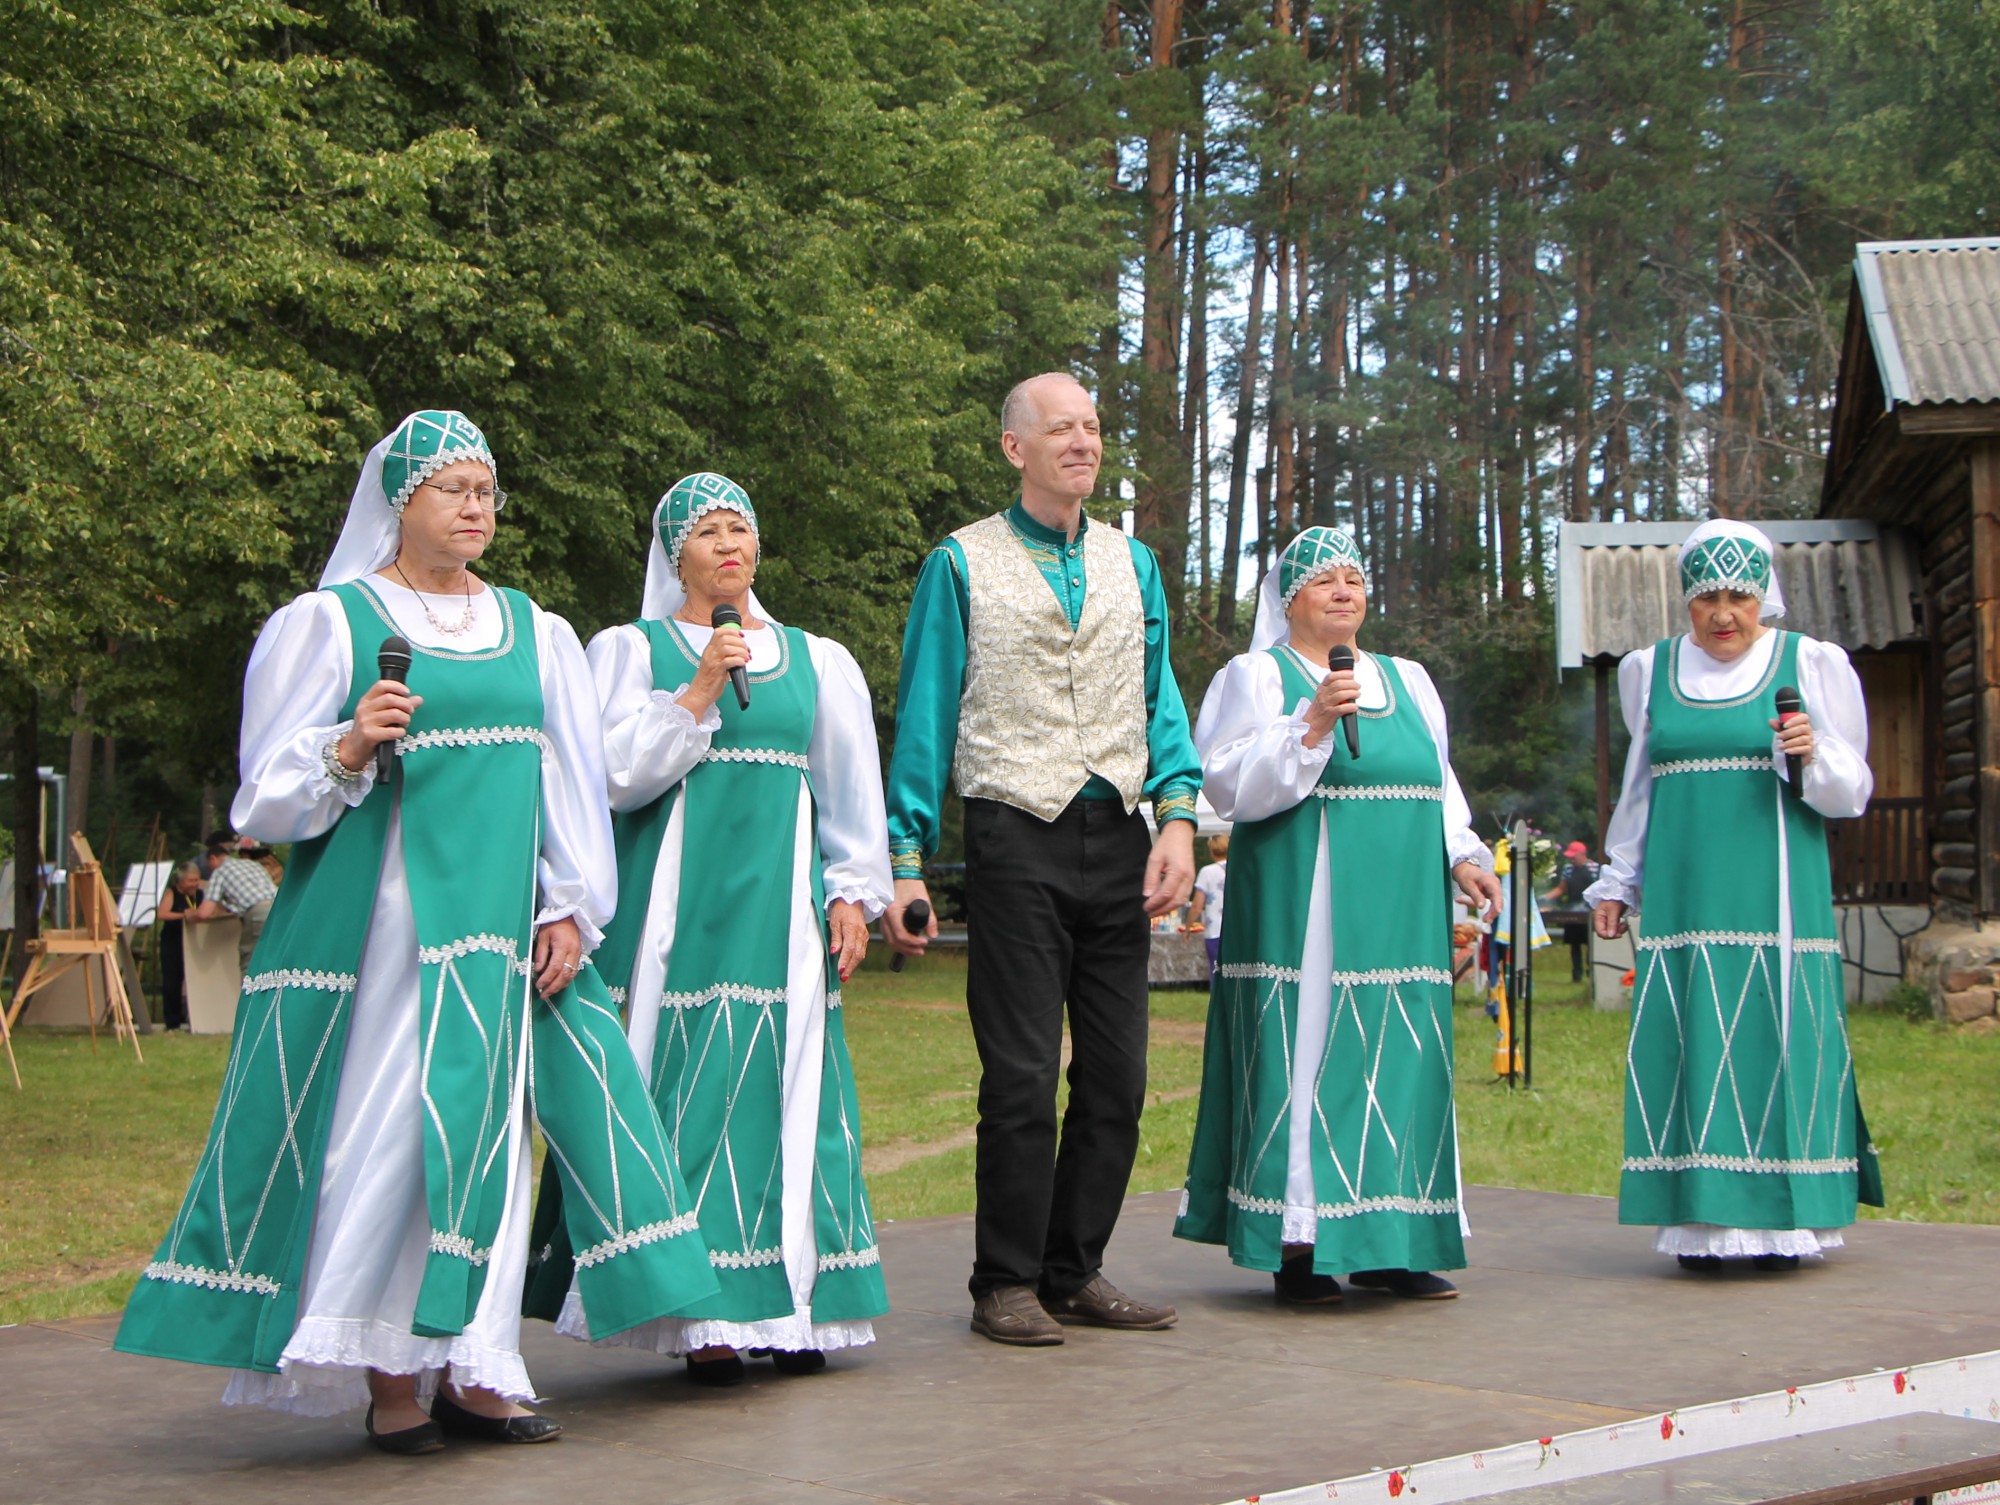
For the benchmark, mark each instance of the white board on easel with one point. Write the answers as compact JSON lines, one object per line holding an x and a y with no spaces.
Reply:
{"x":139,"y":897}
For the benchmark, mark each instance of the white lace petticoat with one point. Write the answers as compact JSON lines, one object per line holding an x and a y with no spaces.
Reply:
{"x":674,"y":1336}
{"x":324,"y":1369}
{"x":1742,"y":1243}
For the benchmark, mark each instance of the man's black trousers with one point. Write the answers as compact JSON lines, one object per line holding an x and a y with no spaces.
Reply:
{"x":1055,"y":915}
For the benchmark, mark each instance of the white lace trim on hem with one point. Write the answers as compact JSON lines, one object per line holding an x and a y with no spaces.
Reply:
{"x":1378,"y":975}
{"x":1260,"y":969}
{"x":731,"y":992}
{"x":1742,"y":1243}
{"x":745,"y":1259}
{"x":1415,"y":1206}
{"x":499,"y":945}
{"x":1732,"y":938}
{"x":330,"y":982}
{"x":637,"y":1238}
{"x":674,"y":1336}
{"x":1748,"y":1164}
{"x":214,"y":1280}
{"x":324,"y":1369}
{"x":459,"y":1246}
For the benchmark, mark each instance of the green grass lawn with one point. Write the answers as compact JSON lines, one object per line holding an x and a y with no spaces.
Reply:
{"x":95,"y":1152}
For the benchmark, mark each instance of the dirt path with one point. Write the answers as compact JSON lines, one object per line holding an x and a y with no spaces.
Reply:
{"x":885,"y":1159}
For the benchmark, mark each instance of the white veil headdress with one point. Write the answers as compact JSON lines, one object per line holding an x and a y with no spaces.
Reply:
{"x":372,"y":533}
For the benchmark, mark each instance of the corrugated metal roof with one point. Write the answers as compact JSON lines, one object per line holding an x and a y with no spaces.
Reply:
{"x":1618,"y":585}
{"x":1933,"y":310}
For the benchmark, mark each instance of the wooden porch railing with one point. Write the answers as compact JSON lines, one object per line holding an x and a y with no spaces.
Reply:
{"x":1884,"y":856}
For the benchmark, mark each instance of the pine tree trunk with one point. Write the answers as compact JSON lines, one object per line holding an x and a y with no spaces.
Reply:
{"x":1239,"y":444}
{"x":27,"y":785}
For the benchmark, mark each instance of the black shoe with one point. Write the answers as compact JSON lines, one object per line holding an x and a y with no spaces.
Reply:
{"x":1413,"y":1285}
{"x":717,"y":1374}
{"x":459,"y":1422}
{"x":1299,"y":1285}
{"x":1778,"y":1262}
{"x":793,"y":1360}
{"x":1706,"y":1264}
{"x":425,"y":1437}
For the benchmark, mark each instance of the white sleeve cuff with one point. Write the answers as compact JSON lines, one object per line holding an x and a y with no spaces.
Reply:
{"x":321,"y":783}
{"x":870,"y":901}
{"x":664,"y":700}
{"x":1609,"y":886}
{"x":591,"y":936}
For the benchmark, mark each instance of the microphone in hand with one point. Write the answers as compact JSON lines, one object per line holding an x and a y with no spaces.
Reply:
{"x":392,"y":661}
{"x":1341,"y":658}
{"x":915,"y":919}
{"x":726,"y":615}
{"x":1789,"y":705}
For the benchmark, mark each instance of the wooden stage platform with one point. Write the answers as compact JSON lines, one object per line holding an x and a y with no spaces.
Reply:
{"x":1568,"y":1323}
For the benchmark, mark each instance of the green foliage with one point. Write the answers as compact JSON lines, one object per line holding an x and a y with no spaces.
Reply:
{"x":168,"y":207}
{"x":1907,"y":1000}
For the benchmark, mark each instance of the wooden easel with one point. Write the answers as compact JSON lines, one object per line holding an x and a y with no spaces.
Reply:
{"x":54,"y":952}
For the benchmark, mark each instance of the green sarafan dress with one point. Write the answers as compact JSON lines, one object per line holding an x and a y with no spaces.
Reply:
{"x":362,"y":1200}
{"x":720,"y":950}
{"x":1741,"y":1110}
{"x":1326,"y":1104}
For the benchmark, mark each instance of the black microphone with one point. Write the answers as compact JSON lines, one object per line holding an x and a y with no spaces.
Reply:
{"x":915,"y":918}
{"x":1789,"y":705}
{"x":726,"y":615}
{"x":392,"y":660}
{"x":1339,"y":658}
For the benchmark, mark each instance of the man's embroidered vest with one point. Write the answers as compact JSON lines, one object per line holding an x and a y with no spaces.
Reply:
{"x":1046,"y":705}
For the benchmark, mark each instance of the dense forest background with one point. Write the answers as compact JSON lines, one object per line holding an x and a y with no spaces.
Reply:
{"x":1441,"y":271}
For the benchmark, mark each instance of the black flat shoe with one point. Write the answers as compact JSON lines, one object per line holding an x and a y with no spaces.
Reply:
{"x":1412,"y":1285}
{"x":459,"y":1422}
{"x":718,"y":1374}
{"x":798,"y":1360}
{"x":1298,"y":1285}
{"x":425,"y":1437}
{"x":1775,"y":1261}
{"x":1704,"y":1264}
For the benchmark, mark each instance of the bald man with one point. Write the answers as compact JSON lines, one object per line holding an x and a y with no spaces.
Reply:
{"x":1035,"y":669}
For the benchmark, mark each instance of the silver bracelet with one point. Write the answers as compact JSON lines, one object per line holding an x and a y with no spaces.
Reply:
{"x":336,"y":770}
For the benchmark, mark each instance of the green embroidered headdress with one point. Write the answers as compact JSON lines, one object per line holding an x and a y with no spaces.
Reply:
{"x":691,"y":498}
{"x":1311,"y":555}
{"x":1726,"y":555}
{"x":424,"y":444}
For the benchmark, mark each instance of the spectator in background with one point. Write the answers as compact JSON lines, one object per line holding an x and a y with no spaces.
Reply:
{"x":1577,"y":874}
{"x":182,"y":897}
{"x":1205,"y":910}
{"x":238,"y":888}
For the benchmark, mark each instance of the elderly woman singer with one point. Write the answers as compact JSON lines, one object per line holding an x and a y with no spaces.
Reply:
{"x":357,"y":1227}
{"x":1326,"y":1140}
{"x":753,"y":853}
{"x":1743,"y":1129}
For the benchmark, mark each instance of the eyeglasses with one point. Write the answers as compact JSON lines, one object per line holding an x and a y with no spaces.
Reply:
{"x":490,"y":498}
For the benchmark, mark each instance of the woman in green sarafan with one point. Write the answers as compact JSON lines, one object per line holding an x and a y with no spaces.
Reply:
{"x":357,"y":1227}
{"x":1326,"y":1140}
{"x":752,"y":853}
{"x":1743,"y":1130}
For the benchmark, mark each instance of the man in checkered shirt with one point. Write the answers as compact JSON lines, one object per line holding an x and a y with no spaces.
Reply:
{"x":239,"y":888}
